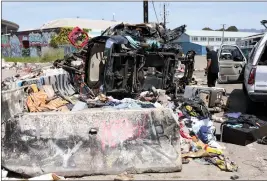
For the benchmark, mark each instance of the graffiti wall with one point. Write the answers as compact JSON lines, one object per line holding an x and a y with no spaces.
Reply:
{"x":25,"y":45}
{"x":5,"y":45}
{"x":30,"y":44}
{"x":15,"y":46}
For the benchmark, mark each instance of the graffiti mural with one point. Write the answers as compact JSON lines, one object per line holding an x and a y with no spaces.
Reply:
{"x":6,"y":51}
{"x":15,"y":46}
{"x":35,"y":51}
{"x":5,"y":46}
{"x":4,"y":40}
{"x":26,"y":52}
{"x":23,"y":44}
{"x":35,"y":39}
{"x":47,"y":37}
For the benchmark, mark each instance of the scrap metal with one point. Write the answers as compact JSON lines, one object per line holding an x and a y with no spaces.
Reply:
{"x":125,"y":60}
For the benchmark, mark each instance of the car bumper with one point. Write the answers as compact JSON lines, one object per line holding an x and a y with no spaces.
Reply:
{"x":258,"y":96}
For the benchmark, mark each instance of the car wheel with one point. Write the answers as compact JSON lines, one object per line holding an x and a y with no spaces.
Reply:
{"x":251,"y":106}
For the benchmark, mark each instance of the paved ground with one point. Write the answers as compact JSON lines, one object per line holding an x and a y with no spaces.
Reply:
{"x":251,"y":159}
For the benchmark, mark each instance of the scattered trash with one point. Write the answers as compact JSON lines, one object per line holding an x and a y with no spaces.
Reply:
{"x":50,"y":176}
{"x":218,"y":119}
{"x":262,"y":141}
{"x":79,"y":106}
{"x":224,"y":163}
{"x":38,"y":101}
{"x":185,"y":161}
{"x":234,"y":177}
{"x":124,"y":176}
{"x":4,"y":173}
{"x":202,"y":161}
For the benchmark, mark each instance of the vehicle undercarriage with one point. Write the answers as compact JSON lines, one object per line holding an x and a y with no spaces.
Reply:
{"x":127,"y":59}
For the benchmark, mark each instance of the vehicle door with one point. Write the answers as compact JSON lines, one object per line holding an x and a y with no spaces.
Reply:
{"x":231,"y":64}
{"x":261,"y":68}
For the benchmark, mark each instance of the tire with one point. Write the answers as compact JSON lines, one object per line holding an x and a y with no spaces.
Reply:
{"x":251,"y":106}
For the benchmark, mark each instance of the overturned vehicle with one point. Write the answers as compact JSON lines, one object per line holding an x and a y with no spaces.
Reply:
{"x":125,"y":59}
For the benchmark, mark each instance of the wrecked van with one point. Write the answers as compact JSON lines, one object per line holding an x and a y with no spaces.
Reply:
{"x":126,"y":59}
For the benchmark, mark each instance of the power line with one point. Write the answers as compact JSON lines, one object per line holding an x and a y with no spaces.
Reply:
{"x":155,"y":11}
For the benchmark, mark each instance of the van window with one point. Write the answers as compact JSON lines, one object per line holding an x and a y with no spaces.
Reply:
{"x":252,"y":55}
{"x":253,"y":52}
{"x":263,"y":59}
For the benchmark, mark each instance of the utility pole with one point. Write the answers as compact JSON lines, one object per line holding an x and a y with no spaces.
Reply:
{"x":164,"y":15}
{"x":145,"y":9}
{"x":223,"y":33}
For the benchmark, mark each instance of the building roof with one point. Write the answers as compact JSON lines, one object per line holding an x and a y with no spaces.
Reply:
{"x":218,"y":33}
{"x":259,"y":35}
{"x":11,"y":26}
{"x":82,"y":23}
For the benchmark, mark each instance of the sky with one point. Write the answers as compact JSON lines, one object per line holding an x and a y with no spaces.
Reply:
{"x":196,"y":15}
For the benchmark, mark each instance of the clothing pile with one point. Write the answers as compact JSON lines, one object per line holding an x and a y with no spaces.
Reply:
{"x":197,"y":132}
{"x":245,"y":121}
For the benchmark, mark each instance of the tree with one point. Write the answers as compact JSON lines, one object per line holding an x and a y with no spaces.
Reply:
{"x":232,"y":28}
{"x":207,"y":29}
{"x":219,"y":29}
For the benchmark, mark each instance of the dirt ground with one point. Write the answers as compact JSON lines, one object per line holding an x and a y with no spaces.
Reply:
{"x":251,"y":159}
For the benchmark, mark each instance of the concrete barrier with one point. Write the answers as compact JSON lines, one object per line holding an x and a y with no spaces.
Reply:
{"x":93,"y":141}
{"x":12,"y":102}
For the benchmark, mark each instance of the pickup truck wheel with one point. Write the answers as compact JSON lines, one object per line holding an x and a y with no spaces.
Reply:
{"x":251,"y":106}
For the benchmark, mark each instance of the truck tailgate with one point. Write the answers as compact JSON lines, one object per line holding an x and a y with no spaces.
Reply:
{"x":261,"y":78}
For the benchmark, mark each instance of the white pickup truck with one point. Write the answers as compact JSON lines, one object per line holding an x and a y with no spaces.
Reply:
{"x":255,"y":75}
{"x":252,"y":72}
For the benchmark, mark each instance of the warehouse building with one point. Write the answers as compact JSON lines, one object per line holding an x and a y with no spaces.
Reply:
{"x":8,"y":27}
{"x":198,"y":40}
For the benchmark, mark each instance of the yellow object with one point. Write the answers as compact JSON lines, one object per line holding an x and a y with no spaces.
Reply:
{"x":213,"y":150}
{"x":34,"y":88}
{"x":198,"y":154}
{"x":189,"y":108}
{"x":198,"y":142}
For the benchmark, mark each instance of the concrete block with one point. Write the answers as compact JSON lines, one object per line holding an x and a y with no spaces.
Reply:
{"x":92,"y":141}
{"x":13,"y":102}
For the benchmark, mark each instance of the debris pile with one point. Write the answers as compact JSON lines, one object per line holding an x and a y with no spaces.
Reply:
{"x":133,"y":67}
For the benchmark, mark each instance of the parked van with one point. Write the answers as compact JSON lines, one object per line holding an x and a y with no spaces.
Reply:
{"x":251,"y":71}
